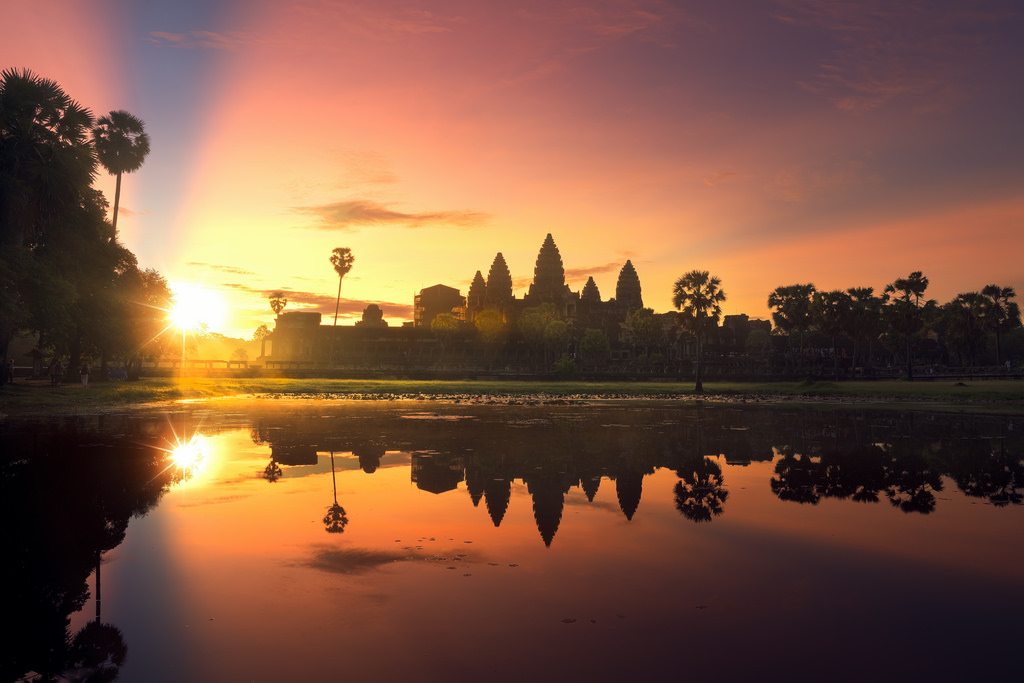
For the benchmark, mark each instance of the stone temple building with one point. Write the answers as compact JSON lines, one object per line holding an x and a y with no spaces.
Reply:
{"x":299,"y":337}
{"x":583,"y":309}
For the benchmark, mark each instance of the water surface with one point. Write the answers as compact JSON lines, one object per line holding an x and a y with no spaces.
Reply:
{"x":440,"y":541}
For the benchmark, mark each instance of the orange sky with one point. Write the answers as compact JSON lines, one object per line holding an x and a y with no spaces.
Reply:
{"x":768,"y":142}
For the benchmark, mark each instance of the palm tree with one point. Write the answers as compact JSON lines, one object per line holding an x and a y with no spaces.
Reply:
{"x":336,"y":519}
{"x":905,"y":310}
{"x":699,"y":299}
{"x":792,"y":304}
{"x":46,"y":168}
{"x":831,"y":313}
{"x":121,"y":146}
{"x":342,"y":260}
{"x":1001,"y":314}
{"x":277,"y":301}
{"x":866,"y":320}
{"x":700,"y":494}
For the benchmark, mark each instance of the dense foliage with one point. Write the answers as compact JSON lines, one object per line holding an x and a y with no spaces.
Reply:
{"x":63,"y":273}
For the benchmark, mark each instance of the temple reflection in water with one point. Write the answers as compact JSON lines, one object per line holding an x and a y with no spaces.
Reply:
{"x":684,"y":499}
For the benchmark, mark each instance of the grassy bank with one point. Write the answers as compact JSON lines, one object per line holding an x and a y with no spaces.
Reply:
{"x":1001,"y":395}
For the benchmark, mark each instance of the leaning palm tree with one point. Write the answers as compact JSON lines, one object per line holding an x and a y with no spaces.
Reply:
{"x":699,"y":299}
{"x":342,"y":260}
{"x":121,"y":146}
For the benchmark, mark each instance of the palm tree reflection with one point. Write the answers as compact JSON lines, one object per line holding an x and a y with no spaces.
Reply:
{"x":272,"y":472}
{"x":335,"y":520}
{"x":701,"y":493}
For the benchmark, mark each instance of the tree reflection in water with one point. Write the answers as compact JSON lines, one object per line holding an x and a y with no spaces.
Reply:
{"x":335,"y":520}
{"x":70,"y":492}
{"x":701,"y":494}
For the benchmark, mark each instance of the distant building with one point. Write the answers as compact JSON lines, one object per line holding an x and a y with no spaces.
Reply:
{"x":433,"y":301}
{"x":296,"y":336}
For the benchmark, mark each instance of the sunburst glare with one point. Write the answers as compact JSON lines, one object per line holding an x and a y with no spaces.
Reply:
{"x":195,"y":307}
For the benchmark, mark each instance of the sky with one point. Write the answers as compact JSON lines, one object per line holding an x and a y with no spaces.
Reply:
{"x":770,"y":142}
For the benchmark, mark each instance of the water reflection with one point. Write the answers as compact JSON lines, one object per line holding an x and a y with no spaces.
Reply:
{"x":71,"y":488}
{"x":68,"y":492}
{"x":866,"y":456}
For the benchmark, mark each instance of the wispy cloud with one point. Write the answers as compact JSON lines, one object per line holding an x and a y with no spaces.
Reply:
{"x":719,"y":177}
{"x":574,"y":274}
{"x":884,"y":50}
{"x":813,"y":182}
{"x":231,"y":270}
{"x":347,"y":215}
{"x":193,"y":40}
{"x":324,"y":303}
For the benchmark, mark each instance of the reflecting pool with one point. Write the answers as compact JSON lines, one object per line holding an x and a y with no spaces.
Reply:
{"x":607,"y":541}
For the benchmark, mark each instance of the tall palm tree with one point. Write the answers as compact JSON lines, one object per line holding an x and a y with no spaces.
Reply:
{"x":1001,"y":314}
{"x":699,"y":297}
{"x":46,"y":168}
{"x":121,"y":146}
{"x":905,"y":310}
{"x":831,"y":313}
{"x":792,"y":304}
{"x":342,"y":260}
{"x":46,"y":162}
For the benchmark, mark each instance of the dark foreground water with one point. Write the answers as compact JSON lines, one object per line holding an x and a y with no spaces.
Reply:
{"x":450,"y":542}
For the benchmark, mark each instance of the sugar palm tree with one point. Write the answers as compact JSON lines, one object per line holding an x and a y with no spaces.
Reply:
{"x":121,"y":146}
{"x":699,"y":297}
{"x":45,"y":159}
{"x":904,"y":307}
{"x":342,"y":260}
{"x":277,"y":301}
{"x":1001,"y":314}
{"x":46,"y":168}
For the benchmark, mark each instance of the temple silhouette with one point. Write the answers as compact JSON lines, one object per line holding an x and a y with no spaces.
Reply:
{"x":491,"y":331}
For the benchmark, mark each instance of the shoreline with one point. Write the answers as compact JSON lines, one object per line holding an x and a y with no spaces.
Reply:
{"x":37,"y":398}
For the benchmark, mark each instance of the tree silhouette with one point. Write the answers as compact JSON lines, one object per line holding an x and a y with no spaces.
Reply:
{"x":797,"y":477}
{"x":121,"y":146}
{"x":272,"y":472}
{"x":831,"y":313}
{"x":644,"y":329}
{"x":445,"y":327}
{"x":46,"y":164}
{"x":594,"y":347}
{"x":701,"y":493}
{"x":335,"y":520}
{"x":342,"y":260}
{"x":277,"y":301}
{"x":866,"y":322}
{"x":904,"y":310}
{"x":97,"y":653}
{"x":1001,"y":314}
{"x":699,"y":299}
{"x":963,"y":321}
{"x":792,"y":304}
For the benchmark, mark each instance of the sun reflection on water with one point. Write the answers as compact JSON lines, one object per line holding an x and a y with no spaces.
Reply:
{"x":189,"y":457}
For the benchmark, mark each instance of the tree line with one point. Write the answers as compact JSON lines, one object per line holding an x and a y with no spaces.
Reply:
{"x":64,"y":273}
{"x":899,"y":320}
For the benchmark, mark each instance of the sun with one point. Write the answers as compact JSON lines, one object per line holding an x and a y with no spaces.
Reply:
{"x":195,"y":307}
